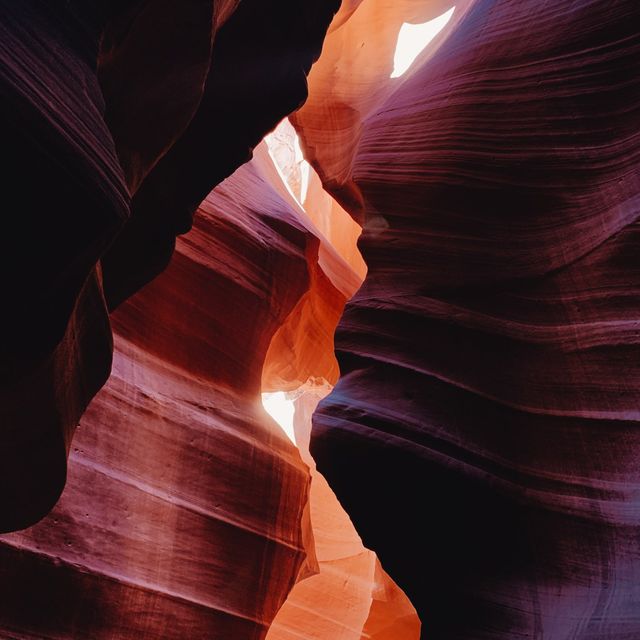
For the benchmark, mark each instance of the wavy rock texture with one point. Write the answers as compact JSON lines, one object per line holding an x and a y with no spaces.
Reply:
{"x":260,"y":59}
{"x":68,"y":201}
{"x":186,"y":511}
{"x":183,"y":513}
{"x":483,"y":436}
{"x":349,"y":597}
{"x":484,"y":433}
{"x":79,"y":147}
{"x":303,"y":347}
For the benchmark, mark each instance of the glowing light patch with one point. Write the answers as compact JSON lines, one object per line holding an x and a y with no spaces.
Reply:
{"x":284,"y":148}
{"x":281,"y":408}
{"x":412,"y":40}
{"x":305,"y":168}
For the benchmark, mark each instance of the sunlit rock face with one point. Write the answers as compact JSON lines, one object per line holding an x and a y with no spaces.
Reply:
{"x":183,"y":515}
{"x":481,"y":428}
{"x":186,"y":509}
{"x":104,"y":101}
{"x":302,"y":348}
{"x":348,"y":595}
{"x":483,"y":435}
{"x":187,"y":512}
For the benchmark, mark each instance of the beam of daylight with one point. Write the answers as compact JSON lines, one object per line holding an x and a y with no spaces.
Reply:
{"x":284,"y":148}
{"x":281,"y":408}
{"x":412,"y":40}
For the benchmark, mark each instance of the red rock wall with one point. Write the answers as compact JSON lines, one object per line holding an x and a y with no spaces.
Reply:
{"x":484,"y":433}
{"x":183,"y":512}
{"x":348,"y":596}
{"x":187,"y":513}
{"x":82,"y":136}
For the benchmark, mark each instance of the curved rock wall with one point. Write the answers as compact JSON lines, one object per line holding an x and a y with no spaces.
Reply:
{"x":67,"y":200}
{"x":183,"y":512}
{"x":185,"y":509}
{"x":484,"y":433}
{"x":78,"y":82}
{"x":348,"y":596}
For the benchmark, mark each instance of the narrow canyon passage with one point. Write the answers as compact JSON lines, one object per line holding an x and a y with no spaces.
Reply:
{"x":205,"y":479}
{"x":320,"y":320}
{"x":350,"y":596}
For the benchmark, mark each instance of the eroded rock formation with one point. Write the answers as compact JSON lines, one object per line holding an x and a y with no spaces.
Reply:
{"x":68,"y":202}
{"x":484,"y":433}
{"x":184,"y":501}
{"x":77,"y":246}
{"x":349,"y":596}
{"x":184,"y":514}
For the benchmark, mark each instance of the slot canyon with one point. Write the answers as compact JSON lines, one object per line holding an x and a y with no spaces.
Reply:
{"x":321,"y":320}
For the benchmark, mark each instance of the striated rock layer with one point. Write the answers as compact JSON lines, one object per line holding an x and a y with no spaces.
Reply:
{"x":186,"y":513}
{"x":68,"y":201}
{"x":484,"y":433}
{"x":349,"y":596}
{"x":259,"y":61}
{"x":84,"y":133}
{"x":183,"y":516}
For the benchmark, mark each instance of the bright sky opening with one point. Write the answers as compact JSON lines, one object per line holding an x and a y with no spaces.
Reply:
{"x":412,"y":40}
{"x":281,"y":409}
{"x":284,"y":148}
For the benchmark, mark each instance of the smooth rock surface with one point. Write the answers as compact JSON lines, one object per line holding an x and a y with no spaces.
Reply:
{"x":102,"y":99}
{"x":184,"y":512}
{"x":483,"y":436}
